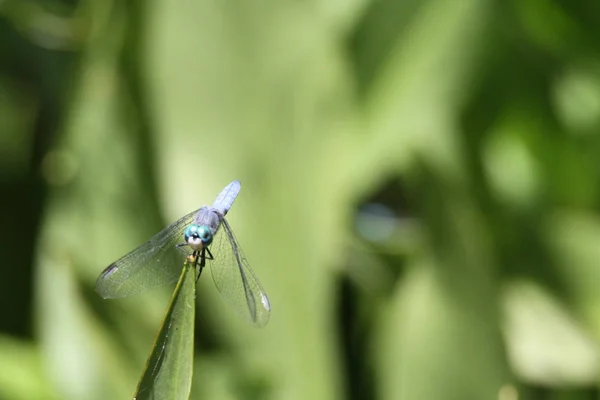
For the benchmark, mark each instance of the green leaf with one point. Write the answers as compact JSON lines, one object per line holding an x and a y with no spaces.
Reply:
{"x":21,"y":371}
{"x":168,"y":372}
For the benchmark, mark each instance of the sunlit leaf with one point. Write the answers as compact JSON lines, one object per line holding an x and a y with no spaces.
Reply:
{"x":21,"y":372}
{"x":168,"y":372}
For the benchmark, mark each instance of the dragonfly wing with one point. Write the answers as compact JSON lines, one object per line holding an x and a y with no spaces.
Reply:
{"x":235,"y":280}
{"x":155,"y":263}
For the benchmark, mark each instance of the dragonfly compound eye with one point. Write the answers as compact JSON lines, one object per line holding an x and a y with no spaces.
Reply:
{"x":190,"y":232}
{"x":197,"y":236}
{"x":192,"y":237}
{"x":205,"y":235}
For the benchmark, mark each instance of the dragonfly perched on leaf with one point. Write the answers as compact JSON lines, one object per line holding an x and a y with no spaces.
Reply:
{"x":206,"y":235}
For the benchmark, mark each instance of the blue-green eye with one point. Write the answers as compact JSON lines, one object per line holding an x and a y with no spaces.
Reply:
{"x":194,"y":234}
{"x":205,"y":235}
{"x":190,"y":231}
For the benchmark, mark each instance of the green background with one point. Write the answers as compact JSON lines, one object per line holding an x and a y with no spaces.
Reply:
{"x":473,"y":123}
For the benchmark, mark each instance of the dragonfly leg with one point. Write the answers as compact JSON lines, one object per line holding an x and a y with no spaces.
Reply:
{"x":210,"y":256}
{"x":201,"y":264}
{"x":181,"y":246}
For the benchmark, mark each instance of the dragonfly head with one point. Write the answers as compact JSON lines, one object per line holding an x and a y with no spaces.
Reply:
{"x":198,"y":236}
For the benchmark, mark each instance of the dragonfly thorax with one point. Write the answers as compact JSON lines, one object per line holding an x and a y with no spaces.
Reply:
{"x":198,"y":236}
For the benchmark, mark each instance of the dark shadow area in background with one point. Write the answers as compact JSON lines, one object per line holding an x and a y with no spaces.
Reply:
{"x":375,"y":35}
{"x":357,"y":307}
{"x":530,"y":392}
{"x":45,"y":74}
{"x":355,"y":338}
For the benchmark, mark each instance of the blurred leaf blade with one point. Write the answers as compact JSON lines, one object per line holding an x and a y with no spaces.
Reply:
{"x":168,"y":372}
{"x":21,"y":371}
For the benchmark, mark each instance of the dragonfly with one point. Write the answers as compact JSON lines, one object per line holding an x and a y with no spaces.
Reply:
{"x":199,"y":234}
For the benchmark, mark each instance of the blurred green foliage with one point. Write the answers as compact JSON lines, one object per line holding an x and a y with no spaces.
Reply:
{"x":472,"y":127}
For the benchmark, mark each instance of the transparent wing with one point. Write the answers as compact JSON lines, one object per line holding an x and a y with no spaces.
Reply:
{"x":155,"y":263}
{"x":235,"y":280}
